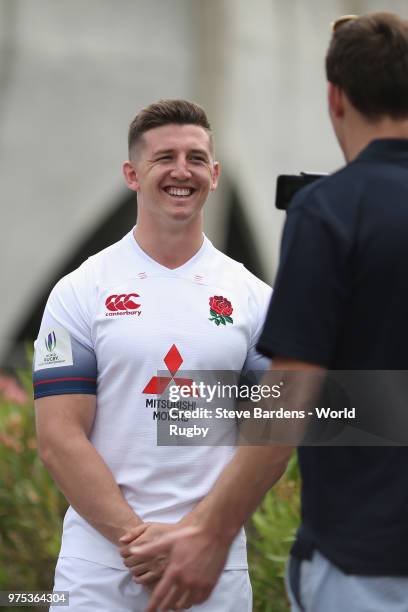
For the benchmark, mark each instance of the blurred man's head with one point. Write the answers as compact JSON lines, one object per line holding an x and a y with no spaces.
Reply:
{"x":367,"y":69}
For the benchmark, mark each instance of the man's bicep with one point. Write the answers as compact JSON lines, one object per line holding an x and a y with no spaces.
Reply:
{"x":63,"y":416}
{"x":64,"y":356}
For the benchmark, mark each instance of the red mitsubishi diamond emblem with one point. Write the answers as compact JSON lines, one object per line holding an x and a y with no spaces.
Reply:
{"x":158,"y":384}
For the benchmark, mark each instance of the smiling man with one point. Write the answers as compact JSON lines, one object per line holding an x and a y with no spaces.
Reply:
{"x":116,"y":333}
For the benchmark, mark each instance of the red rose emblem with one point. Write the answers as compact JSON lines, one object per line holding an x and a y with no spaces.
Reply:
{"x":220,"y":310}
{"x":221,"y":305}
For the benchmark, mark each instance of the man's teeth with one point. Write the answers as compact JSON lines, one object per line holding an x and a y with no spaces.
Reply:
{"x":179,"y":191}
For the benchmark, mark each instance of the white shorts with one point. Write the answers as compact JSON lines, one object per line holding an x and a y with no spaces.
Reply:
{"x":96,"y":588}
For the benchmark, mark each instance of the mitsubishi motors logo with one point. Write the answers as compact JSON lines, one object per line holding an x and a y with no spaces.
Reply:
{"x":122,"y":304}
{"x":158,"y":384}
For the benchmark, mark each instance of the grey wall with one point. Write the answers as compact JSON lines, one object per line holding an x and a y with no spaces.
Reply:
{"x":72,"y":75}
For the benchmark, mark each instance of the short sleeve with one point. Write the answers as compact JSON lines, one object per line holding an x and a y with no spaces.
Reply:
{"x":260,"y":296}
{"x":311,"y":289}
{"x":64,"y":358}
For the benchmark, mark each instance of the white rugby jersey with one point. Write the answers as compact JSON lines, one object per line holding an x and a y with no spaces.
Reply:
{"x":124,"y":327}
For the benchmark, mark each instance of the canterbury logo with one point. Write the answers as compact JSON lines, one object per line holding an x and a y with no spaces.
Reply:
{"x":122,"y":304}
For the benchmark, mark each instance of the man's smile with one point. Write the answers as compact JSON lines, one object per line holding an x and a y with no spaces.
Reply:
{"x":179,"y":192}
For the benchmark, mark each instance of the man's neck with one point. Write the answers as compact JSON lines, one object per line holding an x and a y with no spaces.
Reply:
{"x":170,"y":247}
{"x":360,"y":133}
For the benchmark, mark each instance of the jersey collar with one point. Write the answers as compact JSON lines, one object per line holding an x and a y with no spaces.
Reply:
{"x":155,"y":265}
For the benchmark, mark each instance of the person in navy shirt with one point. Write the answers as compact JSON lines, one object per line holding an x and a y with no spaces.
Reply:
{"x":340,"y":302}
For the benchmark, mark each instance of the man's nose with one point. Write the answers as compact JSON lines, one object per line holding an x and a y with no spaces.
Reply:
{"x":181,"y":171}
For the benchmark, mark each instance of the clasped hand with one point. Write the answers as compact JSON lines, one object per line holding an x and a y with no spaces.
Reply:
{"x":146,"y":571}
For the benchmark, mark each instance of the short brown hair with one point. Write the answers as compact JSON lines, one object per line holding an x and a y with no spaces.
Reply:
{"x":368,"y":60}
{"x":164,"y":112}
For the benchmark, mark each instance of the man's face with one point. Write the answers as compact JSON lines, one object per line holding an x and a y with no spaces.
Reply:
{"x":174,"y":172}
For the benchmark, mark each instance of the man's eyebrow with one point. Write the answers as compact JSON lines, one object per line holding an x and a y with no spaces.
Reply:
{"x":200,"y":152}
{"x":162,"y":152}
{"x":191,"y":151}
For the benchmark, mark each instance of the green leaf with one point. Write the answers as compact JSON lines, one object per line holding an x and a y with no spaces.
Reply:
{"x":214,"y":314}
{"x":212,"y":319}
{"x":222,"y":320}
{"x":228,"y":319}
{"x":217,"y":322}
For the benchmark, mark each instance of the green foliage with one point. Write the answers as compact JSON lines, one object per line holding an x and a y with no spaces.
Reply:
{"x":31,"y":508}
{"x":270,"y":535}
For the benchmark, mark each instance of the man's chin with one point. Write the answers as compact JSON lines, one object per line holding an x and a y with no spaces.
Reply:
{"x":184,"y":212}
{"x":182,"y":216}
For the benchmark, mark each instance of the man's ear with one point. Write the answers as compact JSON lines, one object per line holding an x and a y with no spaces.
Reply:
{"x":335,"y":97}
{"x":215,"y":173}
{"x":131,"y":176}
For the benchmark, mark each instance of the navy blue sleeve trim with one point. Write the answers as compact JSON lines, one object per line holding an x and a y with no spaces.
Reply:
{"x":60,"y":386}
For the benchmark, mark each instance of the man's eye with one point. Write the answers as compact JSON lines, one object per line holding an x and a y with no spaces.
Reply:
{"x":197,"y":158}
{"x":163,"y":158}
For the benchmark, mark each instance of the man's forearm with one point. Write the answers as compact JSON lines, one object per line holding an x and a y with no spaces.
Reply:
{"x":239,"y":489}
{"x":89,"y":486}
{"x":255,"y":469}
{"x":198,"y":553}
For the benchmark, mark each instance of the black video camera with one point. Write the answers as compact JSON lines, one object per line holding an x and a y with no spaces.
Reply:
{"x":288,"y":184}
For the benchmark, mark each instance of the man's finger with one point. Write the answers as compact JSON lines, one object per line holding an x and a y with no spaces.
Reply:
{"x":170,"y":599}
{"x":147,"y":578}
{"x":162,"y":545}
{"x":137,"y":568}
{"x":133,"y":533}
{"x":164,"y":587}
{"x":185,"y":601}
{"x":191,"y":598}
